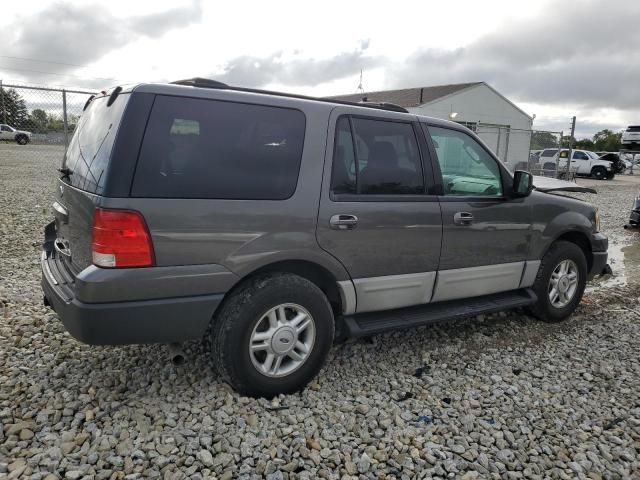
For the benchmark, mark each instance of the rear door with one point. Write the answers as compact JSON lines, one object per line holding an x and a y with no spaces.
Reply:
{"x":486,"y":234}
{"x":375,"y":214}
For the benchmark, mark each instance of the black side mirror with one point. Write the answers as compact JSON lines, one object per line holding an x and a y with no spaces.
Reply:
{"x":522,"y":183}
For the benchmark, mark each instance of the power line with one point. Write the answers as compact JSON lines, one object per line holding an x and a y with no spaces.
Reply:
{"x":44,"y":61}
{"x":58,"y":74}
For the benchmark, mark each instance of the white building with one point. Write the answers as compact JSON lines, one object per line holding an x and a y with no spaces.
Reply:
{"x":504,"y":127}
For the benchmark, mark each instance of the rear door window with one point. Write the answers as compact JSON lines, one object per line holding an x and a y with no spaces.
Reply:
{"x":89,"y":151}
{"x":376,"y":157}
{"x":199,"y":148}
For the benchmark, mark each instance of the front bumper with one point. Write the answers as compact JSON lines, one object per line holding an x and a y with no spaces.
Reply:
{"x":599,"y":246}
{"x":156,"y":320}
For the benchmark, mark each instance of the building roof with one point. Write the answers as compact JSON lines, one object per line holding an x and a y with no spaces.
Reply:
{"x":408,"y":97}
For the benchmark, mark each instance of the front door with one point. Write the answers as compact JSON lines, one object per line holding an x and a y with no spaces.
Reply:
{"x":486,"y":234}
{"x":375,"y":215}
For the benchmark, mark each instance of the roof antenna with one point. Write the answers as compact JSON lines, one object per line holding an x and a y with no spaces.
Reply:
{"x":360,"y":88}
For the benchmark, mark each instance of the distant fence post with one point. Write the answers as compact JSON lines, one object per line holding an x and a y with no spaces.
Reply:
{"x":4,"y":111}
{"x":64,"y":118}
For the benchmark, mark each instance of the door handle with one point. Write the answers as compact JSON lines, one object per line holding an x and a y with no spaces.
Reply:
{"x":343,"y":222}
{"x":462,"y":218}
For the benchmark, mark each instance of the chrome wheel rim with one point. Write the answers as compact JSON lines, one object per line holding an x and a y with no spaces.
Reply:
{"x":563,"y":283}
{"x":282,"y":340}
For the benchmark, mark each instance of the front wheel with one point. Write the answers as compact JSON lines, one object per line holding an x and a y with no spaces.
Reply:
{"x":272,"y":335}
{"x":560,"y":282}
{"x":22,"y":139}
{"x":599,"y":173}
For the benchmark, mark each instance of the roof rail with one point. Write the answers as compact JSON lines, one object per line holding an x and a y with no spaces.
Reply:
{"x":208,"y":83}
{"x":201,"y":82}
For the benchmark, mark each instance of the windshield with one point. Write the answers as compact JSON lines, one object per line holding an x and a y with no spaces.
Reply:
{"x":593,"y":155}
{"x":87,"y":157}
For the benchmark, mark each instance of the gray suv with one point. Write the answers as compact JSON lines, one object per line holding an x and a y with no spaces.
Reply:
{"x":272,"y":224}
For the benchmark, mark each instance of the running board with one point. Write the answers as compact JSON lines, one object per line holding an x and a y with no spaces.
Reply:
{"x":365,"y":324}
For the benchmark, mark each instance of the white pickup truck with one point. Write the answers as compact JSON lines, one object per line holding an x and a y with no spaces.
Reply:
{"x":583,"y":162}
{"x":21,"y":137}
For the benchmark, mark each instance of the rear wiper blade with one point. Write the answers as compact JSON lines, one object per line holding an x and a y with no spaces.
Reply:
{"x":66,"y":172}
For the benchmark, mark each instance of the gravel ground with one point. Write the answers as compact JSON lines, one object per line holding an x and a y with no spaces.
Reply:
{"x":501,"y":396}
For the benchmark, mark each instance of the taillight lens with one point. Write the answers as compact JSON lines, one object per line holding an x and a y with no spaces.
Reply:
{"x":120,"y":239}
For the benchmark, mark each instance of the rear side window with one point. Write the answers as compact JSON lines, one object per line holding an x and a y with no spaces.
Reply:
{"x":376,"y":157}
{"x":89,"y":151}
{"x":198,"y":148}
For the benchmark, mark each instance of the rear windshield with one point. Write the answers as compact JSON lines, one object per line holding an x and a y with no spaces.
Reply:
{"x":199,"y":148}
{"x":88,"y":154}
{"x":635,"y":128}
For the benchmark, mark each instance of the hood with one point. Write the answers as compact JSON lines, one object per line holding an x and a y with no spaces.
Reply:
{"x":548,"y":184}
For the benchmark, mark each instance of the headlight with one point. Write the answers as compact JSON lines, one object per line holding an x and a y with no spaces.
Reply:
{"x":597,"y":220}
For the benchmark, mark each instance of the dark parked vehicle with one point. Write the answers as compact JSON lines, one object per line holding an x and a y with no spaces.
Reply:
{"x":618,"y":164}
{"x":273,"y":223}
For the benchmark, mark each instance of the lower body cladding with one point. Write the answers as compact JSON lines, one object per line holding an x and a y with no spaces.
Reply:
{"x":148,"y":305}
{"x":397,"y":291}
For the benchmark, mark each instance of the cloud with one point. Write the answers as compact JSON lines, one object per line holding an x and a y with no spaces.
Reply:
{"x":81,"y":34}
{"x":582,"y":53}
{"x":251,"y":71}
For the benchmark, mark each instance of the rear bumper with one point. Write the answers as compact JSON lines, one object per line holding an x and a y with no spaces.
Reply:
{"x":157,"y":320}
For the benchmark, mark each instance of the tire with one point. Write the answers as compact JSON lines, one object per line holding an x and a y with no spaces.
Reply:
{"x":559,"y":253}
{"x":599,"y":173}
{"x":242,"y":321}
{"x":22,"y":139}
{"x":611,"y":176}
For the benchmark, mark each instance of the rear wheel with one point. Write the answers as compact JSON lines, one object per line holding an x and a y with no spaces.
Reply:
{"x":22,"y":139}
{"x":599,"y":173}
{"x":560,"y":282}
{"x":272,"y":335}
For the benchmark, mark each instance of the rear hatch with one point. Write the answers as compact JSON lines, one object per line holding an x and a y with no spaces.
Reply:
{"x":82,"y":181}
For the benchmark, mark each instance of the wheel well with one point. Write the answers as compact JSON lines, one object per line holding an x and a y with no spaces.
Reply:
{"x":581,"y":240}
{"x":313,"y":272}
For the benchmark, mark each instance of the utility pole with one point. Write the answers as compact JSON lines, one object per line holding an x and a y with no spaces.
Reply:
{"x":4,"y":111}
{"x":573,"y":131}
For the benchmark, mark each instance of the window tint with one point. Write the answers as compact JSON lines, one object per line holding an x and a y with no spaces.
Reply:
{"x":633,"y":128}
{"x":386,"y":159}
{"x":549,"y":152}
{"x":196,"y":148}
{"x":580,"y":156}
{"x":89,"y":151}
{"x":467,"y":169}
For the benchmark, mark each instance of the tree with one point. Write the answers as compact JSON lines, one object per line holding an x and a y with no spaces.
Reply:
{"x":13,"y":110}
{"x":542,"y":140}
{"x":39,"y":120}
{"x":585,"y":144}
{"x":607,"y":141}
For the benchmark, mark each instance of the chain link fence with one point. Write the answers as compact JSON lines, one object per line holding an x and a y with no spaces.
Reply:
{"x":522,"y":149}
{"x":31,"y":115}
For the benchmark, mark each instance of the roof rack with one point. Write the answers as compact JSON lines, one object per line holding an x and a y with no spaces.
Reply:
{"x":209,"y":83}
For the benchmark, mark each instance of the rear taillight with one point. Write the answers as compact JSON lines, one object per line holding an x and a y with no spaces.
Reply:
{"x":120,"y":239}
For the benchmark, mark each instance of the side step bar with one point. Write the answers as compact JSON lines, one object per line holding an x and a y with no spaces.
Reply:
{"x":365,"y":324}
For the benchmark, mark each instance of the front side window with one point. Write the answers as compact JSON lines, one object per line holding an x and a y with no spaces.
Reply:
{"x":467,"y":169}
{"x":199,"y":148}
{"x":580,"y":156}
{"x":376,"y":157}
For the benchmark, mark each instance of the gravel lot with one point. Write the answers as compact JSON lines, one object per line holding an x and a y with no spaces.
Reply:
{"x":502,"y":396}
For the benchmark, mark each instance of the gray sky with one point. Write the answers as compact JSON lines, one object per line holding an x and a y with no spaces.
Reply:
{"x":554,"y":59}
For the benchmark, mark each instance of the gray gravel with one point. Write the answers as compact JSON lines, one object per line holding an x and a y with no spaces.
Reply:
{"x":501,"y":396}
